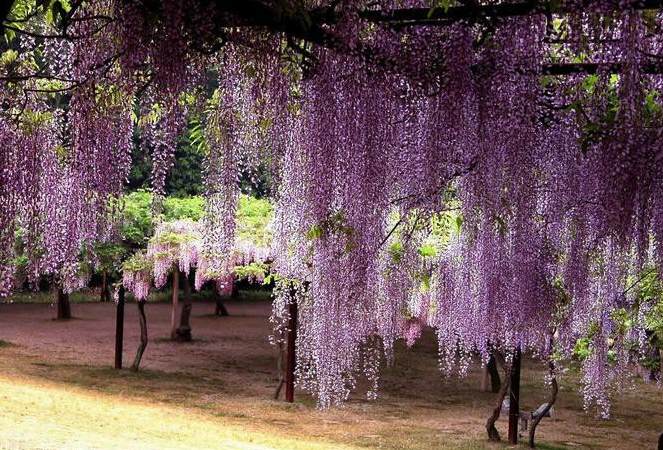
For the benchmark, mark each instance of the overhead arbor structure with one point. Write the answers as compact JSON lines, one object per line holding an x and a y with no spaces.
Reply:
{"x":535,"y":127}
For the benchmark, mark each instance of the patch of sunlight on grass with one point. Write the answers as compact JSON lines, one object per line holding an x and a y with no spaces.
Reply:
{"x":53,"y":416}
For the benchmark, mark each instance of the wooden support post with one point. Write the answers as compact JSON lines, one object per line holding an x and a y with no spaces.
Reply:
{"x":175,"y":308}
{"x":119,"y":328}
{"x":184,"y":330}
{"x":291,"y":353}
{"x":514,"y":398}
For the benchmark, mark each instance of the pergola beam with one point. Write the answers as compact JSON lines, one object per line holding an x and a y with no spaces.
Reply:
{"x":474,"y":13}
{"x":311,"y":25}
{"x":308,"y":25}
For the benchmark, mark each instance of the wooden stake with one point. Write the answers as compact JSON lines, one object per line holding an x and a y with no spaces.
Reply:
{"x":291,"y":353}
{"x":514,"y":398}
{"x":119,"y":328}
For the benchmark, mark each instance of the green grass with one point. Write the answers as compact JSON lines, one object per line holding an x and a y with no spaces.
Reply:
{"x":72,"y":418}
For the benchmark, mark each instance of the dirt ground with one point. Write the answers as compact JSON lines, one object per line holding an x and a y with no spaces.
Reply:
{"x":221,"y":386}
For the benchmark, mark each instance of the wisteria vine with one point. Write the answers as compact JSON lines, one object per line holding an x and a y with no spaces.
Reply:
{"x":537,"y":135}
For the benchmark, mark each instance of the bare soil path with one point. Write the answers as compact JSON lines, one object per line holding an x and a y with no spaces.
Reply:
{"x":58,"y":390}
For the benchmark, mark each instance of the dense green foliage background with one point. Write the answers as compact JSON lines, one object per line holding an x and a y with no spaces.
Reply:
{"x":186,"y":176}
{"x":253,"y":216}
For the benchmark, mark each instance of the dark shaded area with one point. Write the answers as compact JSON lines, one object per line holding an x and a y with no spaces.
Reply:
{"x":183,"y":180}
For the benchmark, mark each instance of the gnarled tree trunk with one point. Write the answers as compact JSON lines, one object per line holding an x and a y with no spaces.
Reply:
{"x":554,"y":388}
{"x":143,"y":335}
{"x":495,"y":381}
{"x":184,"y":330}
{"x":493,"y":434}
{"x":63,"y":305}
{"x":491,"y":376}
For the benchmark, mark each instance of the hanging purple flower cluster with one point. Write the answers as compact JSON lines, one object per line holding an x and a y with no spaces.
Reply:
{"x":67,"y":125}
{"x":235,"y":141}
